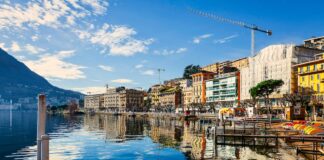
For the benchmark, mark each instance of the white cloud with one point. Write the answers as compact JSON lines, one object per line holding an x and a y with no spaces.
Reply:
{"x":92,"y":90}
{"x":15,"y":47}
{"x":53,"y":66}
{"x":98,"y":6}
{"x":106,"y":68}
{"x":3,"y":46}
{"x":225,"y":39}
{"x":139,"y":66}
{"x":50,"y":13}
{"x":149,"y":72}
{"x":34,"y":37}
{"x":122,"y":81}
{"x":119,"y":40}
{"x":198,"y":39}
{"x":166,"y":52}
{"x":32,"y":49}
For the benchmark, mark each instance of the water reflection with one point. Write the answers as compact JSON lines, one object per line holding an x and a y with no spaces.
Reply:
{"x":122,"y":137}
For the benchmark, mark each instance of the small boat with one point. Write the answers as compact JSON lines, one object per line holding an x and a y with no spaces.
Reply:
{"x":117,"y":114}
{"x":132,"y":114}
{"x":190,"y":117}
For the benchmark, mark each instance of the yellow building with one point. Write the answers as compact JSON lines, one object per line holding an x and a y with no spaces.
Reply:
{"x":226,"y":66}
{"x":240,"y":63}
{"x":311,"y":76}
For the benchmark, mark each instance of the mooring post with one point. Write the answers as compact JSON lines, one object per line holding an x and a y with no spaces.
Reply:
{"x":277,"y":143}
{"x":224,"y":123}
{"x":45,"y":147}
{"x":254,"y":129}
{"x":41,"y":120}
{"x":234,"y":127}
{"x":244,"y":125}
{"x":242,"y":139}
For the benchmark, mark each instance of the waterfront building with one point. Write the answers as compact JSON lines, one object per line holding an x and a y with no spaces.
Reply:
{"x":93,"y":102}
{"x":218,"y":67}
{"x":240,"y":63}
{"x":224,"y":88}
{"x":170,"y":98}
{"x":131,"y":100}
{"x":311,"y":77}
{"x":111,"y":100}
{"x":187,"y":97}
{"x":316,"y":42}
{"x":173,"y":82}
{"x":275,"y":62}
{"x":199,"y":85}
{"x":226,"y":66}
{"x":154,"y":93}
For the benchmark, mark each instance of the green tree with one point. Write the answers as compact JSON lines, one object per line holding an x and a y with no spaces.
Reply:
{"x":264,"y":89}
{"x":189,"y":70}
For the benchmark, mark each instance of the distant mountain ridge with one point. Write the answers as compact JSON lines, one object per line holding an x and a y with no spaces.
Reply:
{"x":18,"y":81}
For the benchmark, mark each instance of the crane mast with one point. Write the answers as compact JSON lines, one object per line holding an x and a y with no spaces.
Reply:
{"x":252,"y":27}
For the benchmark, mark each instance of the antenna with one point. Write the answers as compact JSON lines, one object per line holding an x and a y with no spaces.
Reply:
{"x":159,"y":71}
{"x":107,"y":87}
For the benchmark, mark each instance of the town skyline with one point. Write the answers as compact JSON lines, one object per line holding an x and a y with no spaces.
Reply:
{"x":83,"y":46}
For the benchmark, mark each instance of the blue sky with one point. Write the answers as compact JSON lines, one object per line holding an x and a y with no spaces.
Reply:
{"x":85,"y":44}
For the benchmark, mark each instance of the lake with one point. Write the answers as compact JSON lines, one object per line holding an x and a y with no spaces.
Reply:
{"x":121,"y":137}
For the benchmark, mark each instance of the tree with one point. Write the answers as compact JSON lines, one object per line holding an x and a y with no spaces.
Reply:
{"x":147,"y":104}
{"x":264,"y":89}
{"x":73,"y":106}
{"x":189,"y":70}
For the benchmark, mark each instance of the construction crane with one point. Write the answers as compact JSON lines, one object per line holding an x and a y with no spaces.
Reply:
{"x":159,"y":72}
{"x":252,"y":27}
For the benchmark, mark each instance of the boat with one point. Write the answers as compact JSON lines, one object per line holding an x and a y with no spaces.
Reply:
{"x":132,"y":114}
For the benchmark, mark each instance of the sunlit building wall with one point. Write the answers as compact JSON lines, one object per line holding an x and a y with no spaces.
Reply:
{"x":275,"y":62}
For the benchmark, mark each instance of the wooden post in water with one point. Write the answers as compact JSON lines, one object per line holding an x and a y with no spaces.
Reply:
{"x":45,"y":147}
{"x":254,"y":128}
{"x":244,"y":125}
{"x":41,"y":122}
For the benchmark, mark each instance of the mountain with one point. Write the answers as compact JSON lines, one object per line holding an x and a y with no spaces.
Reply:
{"x":17,"y":81}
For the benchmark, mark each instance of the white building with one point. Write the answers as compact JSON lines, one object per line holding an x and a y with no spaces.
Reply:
{"x":224,"y":87}
{"x":93,"y":102}
{"x":274,"y":62}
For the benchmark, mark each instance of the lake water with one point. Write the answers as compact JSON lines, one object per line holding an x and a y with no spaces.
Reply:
{"x":120,"y":137}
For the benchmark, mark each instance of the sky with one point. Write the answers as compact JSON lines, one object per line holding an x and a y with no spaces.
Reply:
{"x":83,"y":45}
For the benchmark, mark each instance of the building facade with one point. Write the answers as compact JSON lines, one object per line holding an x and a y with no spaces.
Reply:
{"x":224,"y":87}
{"x":199,"y":85}
{"x":317,"y":43}
{"x":154,"y":94}
{"x":218,"y":67}
{"x":274,"y":62}
{"x":170,"y":99}
{"x":240,"y":63}
{"x":131,"y":100}
{"x":93,"y":102}
{"x":227,"y":66}
{"x":311,"y":77}
{"x":111,"y":100}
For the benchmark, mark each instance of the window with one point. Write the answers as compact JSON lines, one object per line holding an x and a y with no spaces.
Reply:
{"x":318,"y":87}
{"x":312,"y":77}
{"x":315,"y":67}
{"x":318,"y":77}
{"x":308,"y":68}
